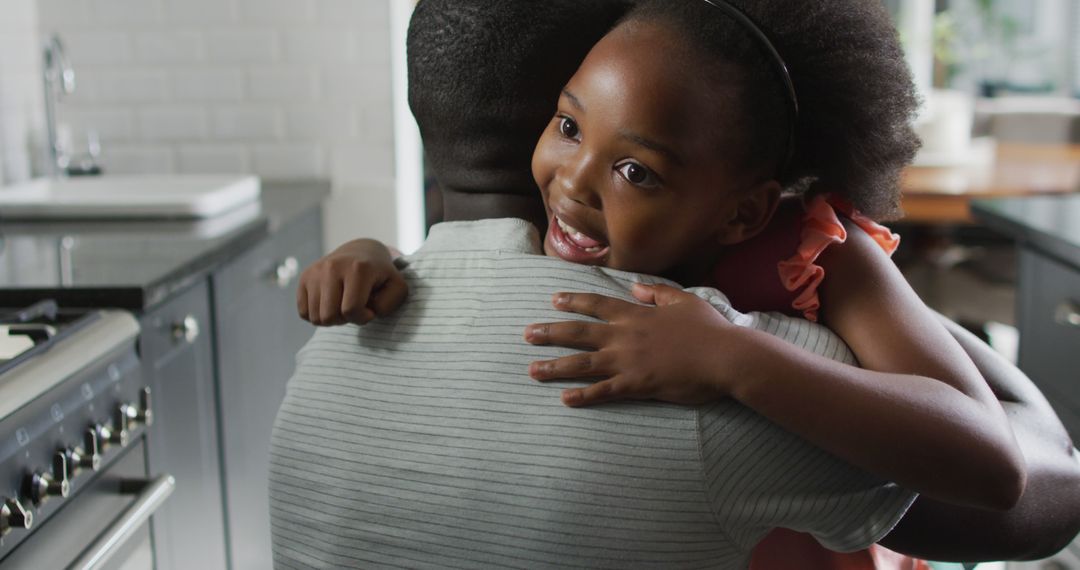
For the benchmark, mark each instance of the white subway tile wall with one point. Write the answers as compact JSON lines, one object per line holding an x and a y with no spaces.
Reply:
{"x":169,"y":76}
{"x":286,"y":89}
{"x":21,"y":100}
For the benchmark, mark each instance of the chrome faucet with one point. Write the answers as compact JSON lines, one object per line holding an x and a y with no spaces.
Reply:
{"x":59,"y":81}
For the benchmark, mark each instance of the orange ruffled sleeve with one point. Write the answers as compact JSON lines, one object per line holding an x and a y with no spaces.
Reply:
{"x":821,"y":228}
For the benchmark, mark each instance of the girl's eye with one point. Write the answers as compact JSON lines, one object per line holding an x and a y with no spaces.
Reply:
{"x":638,"y":175}
{"x":568,"y":127}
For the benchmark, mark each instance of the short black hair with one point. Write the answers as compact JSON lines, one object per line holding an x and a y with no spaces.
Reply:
{"x":856,"y":97}
{"x":484,"y":81}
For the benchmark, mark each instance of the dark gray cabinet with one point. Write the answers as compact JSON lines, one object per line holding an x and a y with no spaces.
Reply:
{"x":219,"y":355}
{"x":258,"y":333}
{"x":1049,"y":321}
{"x":177,"y":350}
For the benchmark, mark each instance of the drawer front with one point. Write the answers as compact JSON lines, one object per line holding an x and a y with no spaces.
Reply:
{"x":1050,"y":332}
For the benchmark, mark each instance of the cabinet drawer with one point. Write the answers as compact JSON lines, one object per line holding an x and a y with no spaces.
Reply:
{"x":1049,"y":335}
{"x":266,"y":267}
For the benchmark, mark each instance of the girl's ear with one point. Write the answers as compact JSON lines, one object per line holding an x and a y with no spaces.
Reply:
{"x":752,"y":213}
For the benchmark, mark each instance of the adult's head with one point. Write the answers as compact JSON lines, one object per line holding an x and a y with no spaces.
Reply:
{"x":484,"y":78}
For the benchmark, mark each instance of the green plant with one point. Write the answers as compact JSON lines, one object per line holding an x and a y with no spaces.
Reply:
{"x":976,"y":35}
{"x":1000,"y":25}
{"x":947,"y":61}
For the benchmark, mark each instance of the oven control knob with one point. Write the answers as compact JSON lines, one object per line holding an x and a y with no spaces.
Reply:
{"x":111,"y":436}
{"x":126,"y":415}
{"x":86,"y":457}
{"x":146,"y":410}
{"x":45,"y":485}
{"x":14,"y":515}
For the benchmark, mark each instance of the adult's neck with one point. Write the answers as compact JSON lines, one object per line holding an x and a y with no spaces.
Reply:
{"x":468,"y":206}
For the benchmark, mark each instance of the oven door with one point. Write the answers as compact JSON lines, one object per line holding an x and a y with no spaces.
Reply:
{"x":105,"y":525}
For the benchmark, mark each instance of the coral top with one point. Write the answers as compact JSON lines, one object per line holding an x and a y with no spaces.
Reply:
{"x":777,"y":271}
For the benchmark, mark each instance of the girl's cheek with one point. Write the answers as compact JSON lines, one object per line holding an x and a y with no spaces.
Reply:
{"x":628,"y":233}
{"x":542,"y":167}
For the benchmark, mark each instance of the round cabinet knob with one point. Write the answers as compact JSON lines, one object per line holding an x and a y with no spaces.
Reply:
{"x":285,"y":272}
{"x":186,"y":330}
{"x":45,"y":485}
{"x":1067,"y":314}
{"x":14,"y":515}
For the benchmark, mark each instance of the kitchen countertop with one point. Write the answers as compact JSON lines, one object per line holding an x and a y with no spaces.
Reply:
{"x":1050,"y":224}
{"x":136,"y":264}
{"x":943,"y":194}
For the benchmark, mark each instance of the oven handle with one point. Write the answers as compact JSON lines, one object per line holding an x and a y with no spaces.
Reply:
{"x":152,"y":494}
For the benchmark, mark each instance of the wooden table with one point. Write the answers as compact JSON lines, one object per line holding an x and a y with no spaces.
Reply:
{"x":941,"y":195}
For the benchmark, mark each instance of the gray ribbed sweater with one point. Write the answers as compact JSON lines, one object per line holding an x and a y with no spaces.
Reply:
{"x":419,"y":441}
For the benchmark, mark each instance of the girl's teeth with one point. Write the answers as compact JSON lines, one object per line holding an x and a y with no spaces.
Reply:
{"x":580,"y":240}
{"x":573,"y":232}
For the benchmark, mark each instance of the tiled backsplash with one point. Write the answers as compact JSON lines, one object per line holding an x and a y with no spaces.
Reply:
{"x":282,"y":88}
{"x":21,"y":106}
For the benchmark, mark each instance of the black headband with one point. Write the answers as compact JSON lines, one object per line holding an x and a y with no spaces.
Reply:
{"x":778,"y":65}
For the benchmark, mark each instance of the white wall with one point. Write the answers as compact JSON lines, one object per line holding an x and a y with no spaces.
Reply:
{"x":21,"y":106}
{"x":286,"y":89}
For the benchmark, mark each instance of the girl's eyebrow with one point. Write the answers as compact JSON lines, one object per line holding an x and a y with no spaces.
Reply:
{"x":573,"y":100}
{"x":630,"y":136}
{"x":652,"y":145}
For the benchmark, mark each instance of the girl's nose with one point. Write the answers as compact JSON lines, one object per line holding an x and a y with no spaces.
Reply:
{"x":578,"y":181}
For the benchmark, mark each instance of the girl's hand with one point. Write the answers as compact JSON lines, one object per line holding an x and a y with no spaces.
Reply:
{"x":666,"y":352}
{"x":352,"y":284}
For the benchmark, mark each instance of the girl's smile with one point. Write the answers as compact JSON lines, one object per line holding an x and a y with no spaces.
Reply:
{"x":572,"y":244}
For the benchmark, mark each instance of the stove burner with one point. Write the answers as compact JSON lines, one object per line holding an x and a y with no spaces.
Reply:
{"x":27,"y":332}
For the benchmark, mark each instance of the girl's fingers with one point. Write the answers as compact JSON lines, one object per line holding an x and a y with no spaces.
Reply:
{"x":389,"y":296}
{"x":354,"y":299}
{"x":302,"y":300}
{"x":658,"y":294}
{"x":599,"y":306}
{"x":571,"y":334}
{"x":610,"y":390}
{"x":330,"y":303}
{"x":580,"y":365}
{"x":313,"y":306}
{"x":644,"y":293}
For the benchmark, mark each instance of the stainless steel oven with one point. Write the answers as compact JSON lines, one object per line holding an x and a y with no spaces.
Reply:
{"x":75,"y":491}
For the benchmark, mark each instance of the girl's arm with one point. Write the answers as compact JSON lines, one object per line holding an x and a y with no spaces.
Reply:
{"x":352,"y":284}
{"x":918,"y":413}
{"x":946,"y":433}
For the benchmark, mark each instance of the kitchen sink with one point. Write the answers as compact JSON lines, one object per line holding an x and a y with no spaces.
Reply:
{"x":124,"y":196}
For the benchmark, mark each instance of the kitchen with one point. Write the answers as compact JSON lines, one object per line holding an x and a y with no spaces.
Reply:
{"x":291,"y":112}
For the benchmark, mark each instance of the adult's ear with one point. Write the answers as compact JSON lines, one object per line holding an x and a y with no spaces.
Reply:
{"x":752,"y":213}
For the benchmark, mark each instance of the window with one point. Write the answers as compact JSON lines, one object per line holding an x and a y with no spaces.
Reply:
{"x":1004,"y":46}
